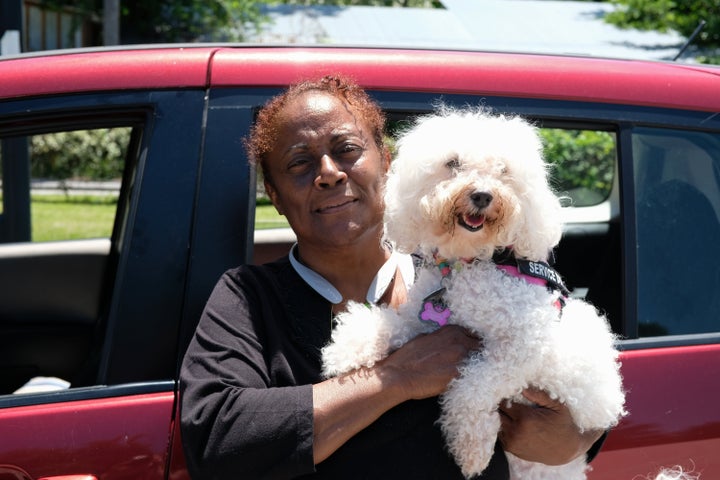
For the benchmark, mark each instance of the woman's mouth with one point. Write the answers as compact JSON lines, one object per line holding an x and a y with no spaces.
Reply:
{"x":331,"y":208}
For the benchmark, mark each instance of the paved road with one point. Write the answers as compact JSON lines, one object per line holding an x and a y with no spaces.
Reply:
{"x":73,"y":187}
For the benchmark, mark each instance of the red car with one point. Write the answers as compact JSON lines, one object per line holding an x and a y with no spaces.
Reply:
{"x":112,"y":315}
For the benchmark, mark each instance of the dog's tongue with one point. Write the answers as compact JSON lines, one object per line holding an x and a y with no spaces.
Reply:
{"x":474,"y":220}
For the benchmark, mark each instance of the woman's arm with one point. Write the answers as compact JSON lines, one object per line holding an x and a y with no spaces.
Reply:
{"x":239,"y":416}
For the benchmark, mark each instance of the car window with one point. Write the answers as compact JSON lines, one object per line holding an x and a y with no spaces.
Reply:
{"x":582,"y":160}
{"x":677,"y":191}
{"x":583,"y":163}
{"x":74,"y":182}
{"x":60,"y":190}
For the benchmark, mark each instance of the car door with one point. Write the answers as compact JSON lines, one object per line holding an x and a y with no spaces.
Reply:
{"x":671,"y":350}
{"x":89,"y":320}
{"x":609,"y":255}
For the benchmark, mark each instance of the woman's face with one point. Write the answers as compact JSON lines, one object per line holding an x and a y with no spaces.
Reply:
{"x":327,"y":172}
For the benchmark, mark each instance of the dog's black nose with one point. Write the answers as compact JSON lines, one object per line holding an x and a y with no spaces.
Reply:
{"x":481,"y":199}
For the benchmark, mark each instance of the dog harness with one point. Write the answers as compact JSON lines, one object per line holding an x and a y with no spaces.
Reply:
{"x":537,"y":273}
{"x":435,"y":309}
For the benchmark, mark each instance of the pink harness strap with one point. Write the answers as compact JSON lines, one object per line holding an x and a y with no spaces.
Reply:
{"x":435,"y":310}
{"x":515,"y":272}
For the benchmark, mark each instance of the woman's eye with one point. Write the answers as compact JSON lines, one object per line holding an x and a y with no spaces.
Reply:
{"x":350,"y":148}
{"x":297,"y":163}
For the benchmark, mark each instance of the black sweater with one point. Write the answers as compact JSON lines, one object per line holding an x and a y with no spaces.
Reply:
{"x":246,"y":392}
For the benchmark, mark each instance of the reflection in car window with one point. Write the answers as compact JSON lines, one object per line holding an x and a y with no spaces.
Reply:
{"x":677,"y":191}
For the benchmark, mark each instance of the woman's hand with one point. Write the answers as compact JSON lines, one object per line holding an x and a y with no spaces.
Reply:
{"x":424,"y":366}
{"x":543,"y":432}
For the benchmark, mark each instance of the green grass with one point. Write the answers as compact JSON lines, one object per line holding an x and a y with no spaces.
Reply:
{"x":60,"y":217}
{"x":267,"y":217}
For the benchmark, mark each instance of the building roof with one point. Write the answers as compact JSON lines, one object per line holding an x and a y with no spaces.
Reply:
{"x":536,"y":26}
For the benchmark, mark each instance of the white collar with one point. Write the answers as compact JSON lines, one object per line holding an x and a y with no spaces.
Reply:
{"x":379,"y":285}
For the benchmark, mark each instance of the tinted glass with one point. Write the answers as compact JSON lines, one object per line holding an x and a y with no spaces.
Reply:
{"x":677,"y":183}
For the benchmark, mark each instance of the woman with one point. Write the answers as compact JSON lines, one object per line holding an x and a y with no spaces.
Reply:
{"x":253,"y":402}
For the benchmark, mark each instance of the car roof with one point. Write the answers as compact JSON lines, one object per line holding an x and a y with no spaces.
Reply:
{"x":633,"y":82}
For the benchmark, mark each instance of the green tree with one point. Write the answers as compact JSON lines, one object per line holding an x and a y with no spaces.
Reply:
{"x":582,"y":163}
{"x":80,"y":154}
{"x":189,"y":20}
{"x":683,"y":16}
{"x":153,"y":21}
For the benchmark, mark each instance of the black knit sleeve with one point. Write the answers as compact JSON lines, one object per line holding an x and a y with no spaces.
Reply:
{"x":236,"y":421}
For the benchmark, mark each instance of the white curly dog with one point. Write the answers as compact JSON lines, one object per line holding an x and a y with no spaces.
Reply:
{"x":466,"y":187}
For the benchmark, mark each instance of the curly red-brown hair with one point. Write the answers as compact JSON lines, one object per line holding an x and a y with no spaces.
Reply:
{"x":264,"y":133}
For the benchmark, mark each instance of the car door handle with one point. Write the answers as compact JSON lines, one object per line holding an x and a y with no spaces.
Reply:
{"x":70,"y":477}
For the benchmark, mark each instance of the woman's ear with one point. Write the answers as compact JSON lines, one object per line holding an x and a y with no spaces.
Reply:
{"x":272,"y":193}
{"x":387,"y":158}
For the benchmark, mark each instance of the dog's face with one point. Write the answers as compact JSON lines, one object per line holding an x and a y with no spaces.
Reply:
{"x":466,"y":183}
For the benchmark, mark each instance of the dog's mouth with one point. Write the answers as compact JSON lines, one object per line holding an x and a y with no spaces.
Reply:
{"x":473,"y":219}
{"x":471,"y":222}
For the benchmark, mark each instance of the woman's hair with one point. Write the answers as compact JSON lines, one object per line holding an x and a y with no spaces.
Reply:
{"x":264,"y":133}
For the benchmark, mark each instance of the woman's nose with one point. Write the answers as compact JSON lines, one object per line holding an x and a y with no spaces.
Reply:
{"x":329,"y":174}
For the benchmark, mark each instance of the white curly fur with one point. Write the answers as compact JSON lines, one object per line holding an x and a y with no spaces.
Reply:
{"x":442,"y":161}
{"x":675,"y":473}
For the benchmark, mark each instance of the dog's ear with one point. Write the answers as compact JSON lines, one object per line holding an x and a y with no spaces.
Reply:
{"x":396,"y":223}
{"x":541,"y":226}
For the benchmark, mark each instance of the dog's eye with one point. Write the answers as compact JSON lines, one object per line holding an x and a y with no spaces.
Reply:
{"x":453,"y":163}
